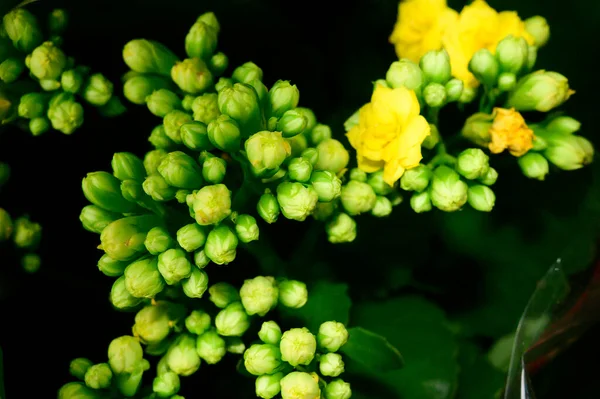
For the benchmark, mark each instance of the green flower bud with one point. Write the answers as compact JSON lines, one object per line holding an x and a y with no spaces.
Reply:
{"x":124,"y":239}
{"x":564,"y":125}
{"x":324,"y":210}
{"x":454,"y":89}
{"x":332,"y":336}
{"x":222,"y":294}
{"x":39,"y":126}
{"x":194,"y":135}
{"x":98,"y":376}
{"x":300,"y":169}
{"x":481,"y":198}
{"x":568,"y":152}
{"x":320,"y":133}
{"x":165,"y":385}
{"x":120,"y":298}
{"x":128,"y":384}
{"x":268,"y":207}
{"x":218,"y":63}
{"x":270,"y":333}
{"x":26,"y":234}
{"x":507,"y":81}
{"x":11,"y":69}
{"x":157,"y":187}
{"x":49,"y":84}
{"x":98,"y":90}
{"x":468,"y":95}
{"x":332,"y":156}
{"x":539,"y":91}
{"x":436,"y":66}
{"x":182,"y":357}
{"x":22,"y":29}
{"x":47,"y":61}
{"x":512,"y":54}
{"x":180,"y":170}
{"x":95,"y":219}
{"x":200,"y":259}
{"x":152,"y":323}
{"x":340,"y":229}
{"x":338,"y":389}
{"x":201,"y":40}
{"x":485,"y":67}
{"x":162,"y":101}
{"x":472,"y":163}
{"x":65,"y":114}
{"x":416,"y":179}
{"x":76,"y":390}
{"x":331,"y":365}
{"x":197,"y":322}
{"x":233,"y":321}
{"x":534,"y":166}
{"x":299,"y":385}
{"x":224,"y":133}
{"x":259,"y":295}
{"x":31,"y":263}
{"x":152,"y":159}
{"x":359,"y":175}
{"x":159,"y":139}
{"x":79,"y":366}
{"x":241,"y":103}
{"x":172,"y":123}
{"x":283,"y":97}
{"x":358,"y":197}
{"x":192,"y":75}
{"x":538,"y":28}
{"x":58,"y":20}
{"x":531,"y":57}
{"x":6,"y":225}
{"x":421,"y":202}
{"x":266,"y":151}
{"x":293,"y":294}
{"x":404,"y":73}
{"x":262,"y":359}
{"x":110,"y":267}
{"x":211,"y":205}
{"x":246,"y":228}
{"x":490,"y":177}
{"x":143,"y":278}
{"x":138,"y":88}
{"x":127,"y":166}
{"x":298,"y":144}
{"x":448,"y":191}
{"x":211,"y":347}
{"x":223,"y":83}
{"x":174,"y":265}
{"x":247,"y":72}
{"x":125,"y":354}
{"x":72,"y":81}
{"x":191,"y":237}
{"x":292,"y":123}
{"x":376,"y":182}
{"x":382,"y":207}
{"x":148,"y":56}
{"x":214,"y":169}
{"x":32,"y":105}
{"x":187,"y":102}
{"x":195,"y":286}
{"x":296,"y":200}
{"x":268,"y":386}
{"x":435,"y":95}
{"x":298,"y":346}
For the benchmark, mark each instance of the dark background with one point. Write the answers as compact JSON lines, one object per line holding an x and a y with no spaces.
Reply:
{"x":331,"y":51}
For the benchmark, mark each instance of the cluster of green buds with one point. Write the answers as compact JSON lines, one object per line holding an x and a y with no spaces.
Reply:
{"x":41,"y":88}
{"x":298,"y":364}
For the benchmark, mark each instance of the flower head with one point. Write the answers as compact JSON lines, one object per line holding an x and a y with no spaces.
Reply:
{"x":509,"y":131}
{"x":389,"y":133}
{"x":420,"y":27}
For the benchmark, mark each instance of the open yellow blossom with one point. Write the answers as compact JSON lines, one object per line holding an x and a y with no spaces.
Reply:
{"x":389,"y":133}
{"x":420,"y":27}
{"x":479,"y":26}
{"x":509,"y":131}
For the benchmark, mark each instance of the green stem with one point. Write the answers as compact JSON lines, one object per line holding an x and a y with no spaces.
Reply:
{"x":433,"y":115}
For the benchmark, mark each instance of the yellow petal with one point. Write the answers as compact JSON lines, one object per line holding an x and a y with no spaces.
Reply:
{"x":392,"y":172}
{"x":407,"y":146}
{"x":368,"y":165}
{"x":354,"y":137}
{"x":400,"y":104}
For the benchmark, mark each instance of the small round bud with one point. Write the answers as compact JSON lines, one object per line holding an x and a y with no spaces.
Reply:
{"x":166,"y":385}
{"x":485,"y":67}
{"x":79,"y":366}
{"x":326,"y":184}
{"x":320,"y":133}
{"x":162,"y":101}
{"x":472,"y":163}
{"x":159,"y":139}
{"x":404,"y":73}
{"x":26,"y":234}
{"x":241,"y":103}
{"x":65,"y":114}
{"x":435,"y":95}
{"x":158,"y":189}
{"x":147,"y":56}
{"x":174,"y":265}
{"x":270,"y":333}
{"x":296,"y":200}
{"x":211,"y":347}
{"x":298,"y":346}
{"x":211,"y":204}
{"x":454,"y":90}
{"x":197,"y":322}
{"x":293,"y":294}
{"x":192,"y":75}
{"x":332,"y":336}
{"x":300,"y":169}
{"x":358,"y":197}
{"x":359,"y":175}
{"x":292,"y":123}
{"x":182,"y":357}
{"x":11,"y":69}
{"x":95,"y":219}
{"x":299,"y":385}
{"x":127,"y":166}
{"x":507,"y":81}
{"x":539,"y":91}
{"x":268,"y":208}
{"x":221,"y":245}
{"x":47,"y":62}
{"x":214,"y":169}
{"x":246,"y":228}
{"x":331,"y":365}
{"x":224,"y":133}
{"x":200,"y":259}
{"x":534,"y":166}
{"x":338,"y":389}
{"x":233,"y":321}
{"x":416,"y":179}
{"x":490,"y":177}
{"x":39,"y":126}
{"x":120,"y":298}
{"x":152,"y":323}
{"x":98,"y":90}
{"x":124,"y":354}
{"x":436,"y":66}
{"x":172,"y":123}
{"x":194,"y":135}
{"x":218,"y":63}
{"x":22,"y":29}
{"x":564,"y":125}
{"x":191,"y":237}
{"x":481,"y":198}
{"x":268,"y":386}
{"x":136,"y":89}
{"x":568,"y":152}
{"x":512,"y":54}
{"x":421,"y":202}
{"x":259,"y":295}
{"x":333,"y":156}
{"x":143,"y":279}
{"x":201,"y":40}
{"x":538,"y":28}
{"x":222,"y":294}
{"x":266,"y":151}
{"x":382,"y":207}
{"x":32,"y":105}
{"x":110,"y":267}
{"x":98,"y":376}
{"x":247,"y":72}
{"x":448,"y":191}
{"x":283,"y":96}
{"x":180,"y":170}
{"x":262,"y":359}
{"x":378,"y":184}
{"x":196,"y":284}
{"x":341,"y":228}
{"x":31,"y":263}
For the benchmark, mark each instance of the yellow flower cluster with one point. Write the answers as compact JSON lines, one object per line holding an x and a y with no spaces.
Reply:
{"x":425,"y":25}
{"x":389,"y":133}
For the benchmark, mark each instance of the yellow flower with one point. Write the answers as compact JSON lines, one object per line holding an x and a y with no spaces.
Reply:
{"x":479,"y":26}
{"x":509,"y":131}
{"x":389,"y":133}
{"x":420,"y":27}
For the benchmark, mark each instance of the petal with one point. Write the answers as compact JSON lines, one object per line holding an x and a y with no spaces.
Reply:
{"x":368,"y":165}
{"x":400,"y":104}
{"x":354,"y":137}
{"x":392,"y":172}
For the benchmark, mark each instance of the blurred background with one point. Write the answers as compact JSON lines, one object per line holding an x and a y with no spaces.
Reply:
{"x":479,"y":269}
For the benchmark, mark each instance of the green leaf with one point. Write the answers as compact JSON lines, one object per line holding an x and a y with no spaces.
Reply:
{"x":478,"y":379}
{"x":372,"y":350}
{"x":326,"y":302}
{"x":419,"y":329}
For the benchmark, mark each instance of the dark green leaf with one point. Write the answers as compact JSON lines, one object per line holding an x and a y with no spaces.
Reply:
{"x":326,"y":302}
{"x":372,"y":350}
